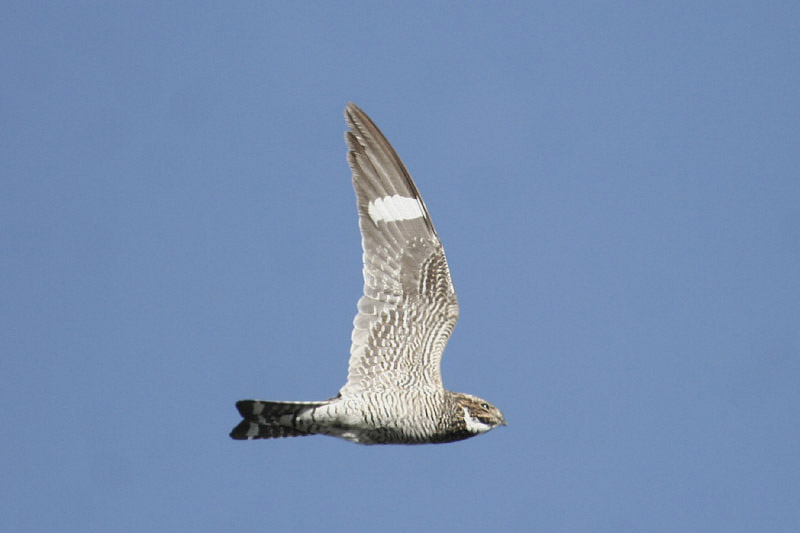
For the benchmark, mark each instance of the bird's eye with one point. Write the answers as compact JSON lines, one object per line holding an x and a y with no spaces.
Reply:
{"x":485,"y":405}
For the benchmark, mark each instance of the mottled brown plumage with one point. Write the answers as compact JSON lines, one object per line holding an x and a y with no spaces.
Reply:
{"x":394,"y":391}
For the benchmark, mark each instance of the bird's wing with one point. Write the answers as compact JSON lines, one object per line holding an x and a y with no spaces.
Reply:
{"x":409,"y":306}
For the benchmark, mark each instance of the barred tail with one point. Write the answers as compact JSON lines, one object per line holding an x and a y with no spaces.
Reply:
{"x":270,"y":420}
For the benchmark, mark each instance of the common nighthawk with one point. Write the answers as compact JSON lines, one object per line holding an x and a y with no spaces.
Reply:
{"x":394,"y":392}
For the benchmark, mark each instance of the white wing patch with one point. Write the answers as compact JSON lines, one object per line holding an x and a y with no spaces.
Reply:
{"x":394,"y":208}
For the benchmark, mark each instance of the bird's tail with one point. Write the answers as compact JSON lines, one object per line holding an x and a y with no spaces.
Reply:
{"x":270,"y":420}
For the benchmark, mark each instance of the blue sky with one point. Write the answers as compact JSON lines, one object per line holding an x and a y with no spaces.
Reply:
{"x":616,"y":186}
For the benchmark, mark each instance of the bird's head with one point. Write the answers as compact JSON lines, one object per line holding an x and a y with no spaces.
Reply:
{"x":479,"y":415}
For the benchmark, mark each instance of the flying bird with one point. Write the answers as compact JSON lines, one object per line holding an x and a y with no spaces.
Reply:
{"x":394,"y":392}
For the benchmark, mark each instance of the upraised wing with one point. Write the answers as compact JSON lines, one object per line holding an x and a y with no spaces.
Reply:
{"x":409,"y":306}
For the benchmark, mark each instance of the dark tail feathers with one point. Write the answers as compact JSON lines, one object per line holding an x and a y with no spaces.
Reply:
{"x":270,"y":420}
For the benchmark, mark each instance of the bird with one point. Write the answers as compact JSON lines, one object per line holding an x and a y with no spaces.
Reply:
{"x":394,"y":392}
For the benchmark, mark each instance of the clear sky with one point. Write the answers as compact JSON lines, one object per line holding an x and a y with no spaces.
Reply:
{"x":616,"y":186}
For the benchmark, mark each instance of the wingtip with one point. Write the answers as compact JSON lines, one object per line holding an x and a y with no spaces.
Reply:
{"x":355,"y":119}
{"x":352,"y":114}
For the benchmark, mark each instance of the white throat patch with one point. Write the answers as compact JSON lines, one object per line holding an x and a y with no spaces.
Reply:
{"x":474,"y":425}
{"x":394,"y":208}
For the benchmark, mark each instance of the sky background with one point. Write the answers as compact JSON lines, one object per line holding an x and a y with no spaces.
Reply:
{"x":616,"y":186}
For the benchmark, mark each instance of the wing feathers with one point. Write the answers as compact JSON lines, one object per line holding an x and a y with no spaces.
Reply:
{"x":409,"y":306}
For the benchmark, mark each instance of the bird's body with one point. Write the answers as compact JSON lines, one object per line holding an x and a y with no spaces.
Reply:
{"x":388,"y":417}
{"x":394,"y":392}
